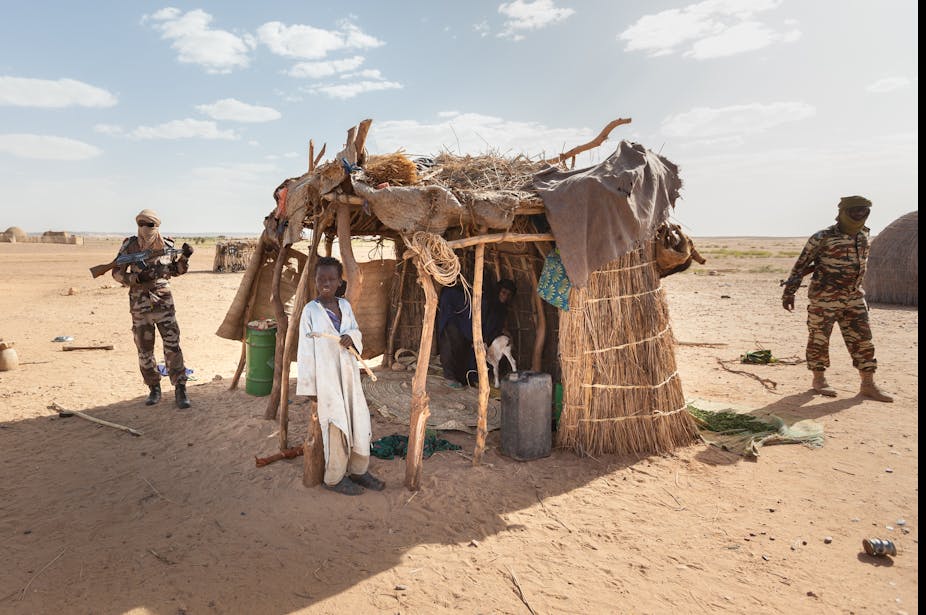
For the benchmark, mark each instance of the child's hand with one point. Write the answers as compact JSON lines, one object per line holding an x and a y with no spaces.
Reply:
{"x":346,"y":341}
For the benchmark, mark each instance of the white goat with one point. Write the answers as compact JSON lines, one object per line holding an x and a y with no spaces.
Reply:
{"x":500,"y":347}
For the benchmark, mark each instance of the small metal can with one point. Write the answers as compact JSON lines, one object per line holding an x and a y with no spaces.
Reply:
{"x":879,"y":547}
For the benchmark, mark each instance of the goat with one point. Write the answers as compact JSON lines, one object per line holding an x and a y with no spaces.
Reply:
{"x":500,"y":347}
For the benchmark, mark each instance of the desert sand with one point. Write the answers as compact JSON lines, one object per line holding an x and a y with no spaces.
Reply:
{"x":180,"y":521}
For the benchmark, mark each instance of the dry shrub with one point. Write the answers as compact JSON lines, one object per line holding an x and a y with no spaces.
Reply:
{"x":397,"y":169}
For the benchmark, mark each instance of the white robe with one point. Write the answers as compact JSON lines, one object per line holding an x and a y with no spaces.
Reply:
{"x":329,"y":371}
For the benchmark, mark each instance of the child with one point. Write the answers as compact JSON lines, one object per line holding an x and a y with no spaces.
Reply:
{"x":330,"y":373}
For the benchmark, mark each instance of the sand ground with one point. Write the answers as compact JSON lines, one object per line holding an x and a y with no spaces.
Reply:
{"x":93,"y":520}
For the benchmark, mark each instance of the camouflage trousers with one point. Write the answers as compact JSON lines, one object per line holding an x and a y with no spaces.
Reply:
{"x":852,"y":316}
{"x":145,"y":318}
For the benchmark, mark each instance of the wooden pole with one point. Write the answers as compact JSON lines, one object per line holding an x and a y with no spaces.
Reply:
{"x":248,"y":310}
{"x":402,"y":270}
{"x":496,"y":238}
{"x":540,"y":322}
{"x":351,"y":268}
{"x":329,"y":244}
{"x":481,"y":368}
{"x":419,"y":408}
{"x":292,"y":335}
{"x":313,"y":465}
{"x":602,"y":136}
{"x":273,"y":403}
{"x":311,"y":155}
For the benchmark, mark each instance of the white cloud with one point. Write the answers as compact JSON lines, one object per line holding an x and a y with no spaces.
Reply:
{"x":47,"y":93}
{"x":183,"y":129}
{"x":473,"y":133}
{"x":370,"y":73}
{"x":524,"y":15}
{"x":344,"y":91}
{"x":317,"y":70}
{"x":109,"y":129}
{"x":235,"y":174}
{"x":217,"y":51}
{"x":708,"y":29}
{"x":237,"y":111}
{"x":707,"y":122}
{"x":888,"y":84}
{"x":481,"y":28}
{"x":311,"y":43}
{"x":42,"y":147}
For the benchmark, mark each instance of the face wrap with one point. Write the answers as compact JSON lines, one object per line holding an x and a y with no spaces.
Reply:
{"x":846,"y":224}
{"x":149,"y":237}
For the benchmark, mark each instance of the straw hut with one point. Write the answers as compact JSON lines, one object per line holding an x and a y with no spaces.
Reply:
{"x":232,"y":256}
{"x":14,"y":234}
{"x":892,"y":263}
{"x":482,"y":218}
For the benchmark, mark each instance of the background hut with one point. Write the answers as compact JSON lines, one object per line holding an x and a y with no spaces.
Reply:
{"x":892,"y":275}
{"x":61,"y":237}
{"x":479,"y":219}
{"x":232,"y":256}
{"x":14,"y":234}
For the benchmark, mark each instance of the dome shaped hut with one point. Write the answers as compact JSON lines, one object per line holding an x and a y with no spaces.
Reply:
{"x":14,"y":233}
{"x":892,"y":268}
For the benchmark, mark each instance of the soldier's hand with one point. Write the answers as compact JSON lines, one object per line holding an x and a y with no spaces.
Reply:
{"x":787,"y":302}
{"x":346,"y":341}
{"x":187,"y":250}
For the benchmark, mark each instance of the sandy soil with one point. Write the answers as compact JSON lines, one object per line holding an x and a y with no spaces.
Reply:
{"x":93,"y":520}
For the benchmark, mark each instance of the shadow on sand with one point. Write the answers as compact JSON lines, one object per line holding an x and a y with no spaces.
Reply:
{"x":181,"y":520}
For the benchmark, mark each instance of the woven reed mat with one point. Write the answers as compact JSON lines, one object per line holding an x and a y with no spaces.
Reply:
{"x":451,"y":409}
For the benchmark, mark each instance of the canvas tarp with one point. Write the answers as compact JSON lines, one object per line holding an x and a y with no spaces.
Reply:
{"x":600,"y":213}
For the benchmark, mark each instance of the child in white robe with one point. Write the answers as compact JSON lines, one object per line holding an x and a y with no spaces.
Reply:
{"x":328,"y":372}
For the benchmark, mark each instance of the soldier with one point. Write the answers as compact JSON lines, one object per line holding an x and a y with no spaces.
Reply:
{"x":152,"y":305}
{"x":838,"y":257}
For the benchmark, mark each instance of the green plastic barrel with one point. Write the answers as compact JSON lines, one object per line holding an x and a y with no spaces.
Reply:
{"x":557,"y":403}
{"x":261,"y":346}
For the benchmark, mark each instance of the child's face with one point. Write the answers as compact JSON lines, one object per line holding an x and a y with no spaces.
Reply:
{"x":327,"y":281}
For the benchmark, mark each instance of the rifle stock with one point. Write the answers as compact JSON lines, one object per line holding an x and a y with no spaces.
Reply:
{"x":99,"y":270}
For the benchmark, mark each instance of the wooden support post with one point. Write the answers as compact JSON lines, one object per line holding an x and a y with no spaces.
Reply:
{"x":311,"y":155}
{"x":279,"y":311}
{"x":402,"y":271}
{"x":292,"y":338}
{"x":540,"y":322}
{"x":481,"y":368}
{"x":329,"y":244}
{"x":351,"y":268}
{"x":419,"y":409}
{"x":313,"y":465}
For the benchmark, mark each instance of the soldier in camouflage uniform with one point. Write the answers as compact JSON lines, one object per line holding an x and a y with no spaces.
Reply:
{"x":152,"y":305}
{"x":838,"y":257}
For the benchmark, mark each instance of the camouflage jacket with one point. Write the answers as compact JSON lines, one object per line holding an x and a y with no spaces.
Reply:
{"x":167,"y":266}
{"x":837,"y":261}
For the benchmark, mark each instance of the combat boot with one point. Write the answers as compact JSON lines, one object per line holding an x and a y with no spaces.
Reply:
{"x":183,"y":402}
{"x":154,"y":395}
{"x":870,"y":390}
{"x":821,"y":386}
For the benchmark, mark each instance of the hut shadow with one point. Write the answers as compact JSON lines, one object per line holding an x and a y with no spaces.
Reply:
{"x":185,"y":504}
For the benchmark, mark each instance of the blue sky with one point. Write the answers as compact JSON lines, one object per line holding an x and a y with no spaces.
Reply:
{"x":773,"y":109}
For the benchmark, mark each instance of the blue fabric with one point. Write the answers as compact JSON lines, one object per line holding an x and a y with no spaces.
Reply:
{"x":554,"y":286}
{"x":334,"y":320}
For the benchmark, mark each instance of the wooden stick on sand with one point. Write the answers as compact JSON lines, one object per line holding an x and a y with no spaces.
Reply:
{"x":68,"y":348}
{"x":352,"y":350}
{"x":62,"y":412}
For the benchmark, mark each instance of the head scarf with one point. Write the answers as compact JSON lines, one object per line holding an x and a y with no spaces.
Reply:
{"x":149,"y":238}
{"x":846,"y":224}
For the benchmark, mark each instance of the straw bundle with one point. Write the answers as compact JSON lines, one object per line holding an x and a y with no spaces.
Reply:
{"x":486,"y":172}
{"x":395,"y":168}
{"x":622,"y":393}
{"x":893,"y":275}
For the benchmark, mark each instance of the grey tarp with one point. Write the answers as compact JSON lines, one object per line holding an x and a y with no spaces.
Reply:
{"x":602,"y":212}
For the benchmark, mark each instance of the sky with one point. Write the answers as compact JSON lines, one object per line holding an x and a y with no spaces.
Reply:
{"x":773,"y":109}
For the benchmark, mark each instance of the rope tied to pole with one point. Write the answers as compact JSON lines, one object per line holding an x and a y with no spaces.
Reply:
{"x":436,"y":257}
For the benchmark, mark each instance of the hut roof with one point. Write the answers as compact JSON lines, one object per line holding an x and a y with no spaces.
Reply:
{"x":892,"y":275}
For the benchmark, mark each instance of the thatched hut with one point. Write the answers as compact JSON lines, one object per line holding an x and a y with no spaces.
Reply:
{"x":486,"y":217}
{"x":892,"y":263}
{"x":14,"y":234}
{"x":232,"y":256}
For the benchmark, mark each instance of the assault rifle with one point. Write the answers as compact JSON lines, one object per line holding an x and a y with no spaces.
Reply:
{"x":139,"y":259}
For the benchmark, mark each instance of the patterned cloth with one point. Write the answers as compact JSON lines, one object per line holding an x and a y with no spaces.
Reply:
{"x":554,"y":285}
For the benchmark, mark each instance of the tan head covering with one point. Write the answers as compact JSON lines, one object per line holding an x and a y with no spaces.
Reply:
{"x":848,"y":202}
{"x":149,"y":237}
{"x":848,"y":225}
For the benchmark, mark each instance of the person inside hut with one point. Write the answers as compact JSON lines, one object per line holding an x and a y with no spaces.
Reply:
{"x":455,"y":328}
{"x":838,"y":257}
{"x":329,"y":374}
{"x":151,"y":304}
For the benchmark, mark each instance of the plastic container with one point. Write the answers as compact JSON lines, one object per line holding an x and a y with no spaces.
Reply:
{"x":260,"y":350}
{"x":557,"y":403}
{"x":527,"y":415}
